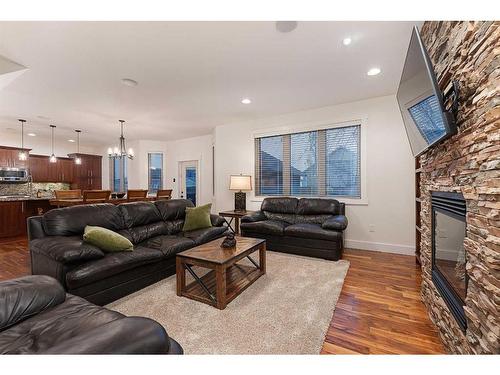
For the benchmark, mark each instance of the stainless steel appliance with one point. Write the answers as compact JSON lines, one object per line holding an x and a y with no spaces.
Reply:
{"x":8,"y":174}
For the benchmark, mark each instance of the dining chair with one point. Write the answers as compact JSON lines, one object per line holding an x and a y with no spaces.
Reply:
{"x":96,"y":196}
{"x":136,"y":195}
{"x":68,"y":194}
{"x":164,"y":194}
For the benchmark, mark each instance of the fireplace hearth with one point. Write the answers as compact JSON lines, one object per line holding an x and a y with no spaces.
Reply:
{"x":448,"y":254}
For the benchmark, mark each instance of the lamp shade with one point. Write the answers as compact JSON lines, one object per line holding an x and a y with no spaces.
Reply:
{"x":240,"y":182}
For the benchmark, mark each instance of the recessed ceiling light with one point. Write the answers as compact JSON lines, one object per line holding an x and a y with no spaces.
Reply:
{"x":346,"y":41}
{"x":286,"y":26}
{"x":373,"y":71}
{"x":129,"y":82}
{"x":71,"y":140}
{"x":246,"y":101}
{"x":32,"y":134}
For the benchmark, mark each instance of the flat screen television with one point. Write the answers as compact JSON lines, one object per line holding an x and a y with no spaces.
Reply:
{"x":420,"y":100}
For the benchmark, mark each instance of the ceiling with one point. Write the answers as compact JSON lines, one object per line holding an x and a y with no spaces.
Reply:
{"x":192,"y":75}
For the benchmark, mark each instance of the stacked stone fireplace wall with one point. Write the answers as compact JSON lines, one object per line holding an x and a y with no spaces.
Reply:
{"x":469,"y":163}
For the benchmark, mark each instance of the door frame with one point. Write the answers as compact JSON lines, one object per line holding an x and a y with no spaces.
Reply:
{"x":194,"y":163}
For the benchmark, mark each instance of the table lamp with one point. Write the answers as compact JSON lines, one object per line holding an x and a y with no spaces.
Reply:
{"x":240,"y":183}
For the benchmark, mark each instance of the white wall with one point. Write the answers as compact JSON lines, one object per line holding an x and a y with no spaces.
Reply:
{"x":189,"y":149}
{"x":390,"y":170}
{"x":196,"y":148}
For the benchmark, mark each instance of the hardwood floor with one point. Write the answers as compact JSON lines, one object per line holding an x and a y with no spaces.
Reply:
{"x":379,"y":310}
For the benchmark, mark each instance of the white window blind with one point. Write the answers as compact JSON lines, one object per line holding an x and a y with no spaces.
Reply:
{"x":315,"y":163}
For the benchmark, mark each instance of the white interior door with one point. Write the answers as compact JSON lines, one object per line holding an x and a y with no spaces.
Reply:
{"x":188,"y":180}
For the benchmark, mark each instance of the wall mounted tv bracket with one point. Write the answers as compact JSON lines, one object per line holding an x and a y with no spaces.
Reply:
{"x":450,"y":101}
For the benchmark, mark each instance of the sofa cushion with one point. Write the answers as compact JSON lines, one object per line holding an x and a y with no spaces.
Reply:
{"x":173,"y":209}
{"x":311,"y":219}
{"x":70,"y":221}
{"x":312,"y":231}
{"x":74,"y":317}
{"x":318,"y":206}
{"x":170,"y":245}
{"x":106,"y":239}
{"x":71,"y":249}
{"x":271,"y":227}
{"x":111,"y":264}
{"x":175,"y":226}
{"x":197,"y":218}
{"x":200,"y":236}
{"x":139,"y":213}
{"x":145,"y":232}
{"x":27,"y":296}
{"x":282,"y":205}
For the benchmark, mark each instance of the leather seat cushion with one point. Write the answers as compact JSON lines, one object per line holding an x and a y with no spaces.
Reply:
{"x":312,"y":231}
{"x":173,"y":209}
{"x":282,"y":205}
{"x":204,"y":235}
{"x":145,"y":232}
{"x":271,"y":227}
{"x":318,"y":206}
{"x":74,"y":317}
{"x":66,"y":249}
{"x":110,"y":265}
{"x":70,"y":221}
{"x":136,"y":214}
{"x":170,"y":245}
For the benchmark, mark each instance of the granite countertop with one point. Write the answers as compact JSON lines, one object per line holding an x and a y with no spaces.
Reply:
{"x":13,"y":198}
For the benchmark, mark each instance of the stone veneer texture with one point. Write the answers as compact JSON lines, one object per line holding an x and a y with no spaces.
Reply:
{"x":469,"y":162}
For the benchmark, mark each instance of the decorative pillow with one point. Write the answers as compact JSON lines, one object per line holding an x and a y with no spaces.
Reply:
{"x":197,"y":218}
{"x":106,"y":239}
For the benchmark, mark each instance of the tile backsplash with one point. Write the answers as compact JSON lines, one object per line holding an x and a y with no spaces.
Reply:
{"x":47,"y":188}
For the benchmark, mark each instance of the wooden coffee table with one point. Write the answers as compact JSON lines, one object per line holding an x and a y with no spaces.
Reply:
{"x":227,"y":278}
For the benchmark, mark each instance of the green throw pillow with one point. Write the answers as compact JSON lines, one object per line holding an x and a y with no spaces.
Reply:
{"x":197,"y":218}
{"x":106,"y":239}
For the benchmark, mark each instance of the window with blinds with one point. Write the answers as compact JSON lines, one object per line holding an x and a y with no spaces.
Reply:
{"x":315,"y":163}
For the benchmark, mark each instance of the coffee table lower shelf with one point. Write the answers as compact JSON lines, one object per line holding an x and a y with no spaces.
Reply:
{"x":238,"y":278}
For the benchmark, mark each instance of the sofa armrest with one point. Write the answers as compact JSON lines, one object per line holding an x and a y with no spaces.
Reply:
{"x":133,"y":335}
{"x":66,"y":250}
{"x":216,"y":220}
{"x":253,"y":217}
{"x":337,"y":222}
{"x":35,"y":228}
{"x":27,"y":296}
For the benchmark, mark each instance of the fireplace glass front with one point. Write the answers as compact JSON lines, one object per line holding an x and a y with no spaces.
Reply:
{"x":448,"y":254}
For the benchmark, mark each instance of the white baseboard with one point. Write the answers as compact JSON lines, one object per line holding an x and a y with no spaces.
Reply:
{"x":380,"y":246}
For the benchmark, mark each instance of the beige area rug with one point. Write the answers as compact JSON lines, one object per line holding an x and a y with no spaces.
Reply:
{"x":286,"y":311}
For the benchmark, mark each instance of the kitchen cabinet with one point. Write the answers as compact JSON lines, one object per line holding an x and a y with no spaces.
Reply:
{"x":65,"y":170}
{"x":9,"y":157}
{"x":12,"y":219}
{"x":88,"y":175}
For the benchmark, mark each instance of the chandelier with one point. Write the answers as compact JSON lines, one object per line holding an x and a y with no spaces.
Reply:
{"x":121,"y":150}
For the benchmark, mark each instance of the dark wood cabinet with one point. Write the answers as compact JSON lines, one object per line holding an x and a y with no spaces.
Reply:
{"x":39,"y":168}
{"x":65,"y":170}
{"x":12,"y":219}
{"x":88,"y":175}
{"x":9,"y":157}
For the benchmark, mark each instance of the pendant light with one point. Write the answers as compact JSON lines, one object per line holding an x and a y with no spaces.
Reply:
{"x":52,"y":158}
{"x":23,"y":155}
{"x":121,"y":151}
{"x":78,"y":160}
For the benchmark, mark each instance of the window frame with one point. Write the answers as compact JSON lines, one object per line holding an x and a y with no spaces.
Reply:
{"x":122,"y":173}
{"x":315,"y":126}
{"x":149,"y":170}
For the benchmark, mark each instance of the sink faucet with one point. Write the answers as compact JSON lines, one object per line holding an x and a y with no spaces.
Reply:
{"x":30,"y":185}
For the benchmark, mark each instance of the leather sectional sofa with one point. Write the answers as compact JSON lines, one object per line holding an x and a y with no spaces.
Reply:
{"x":155,"y":229}
{"x":306,"y":226}
{"x":38,"y":317}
